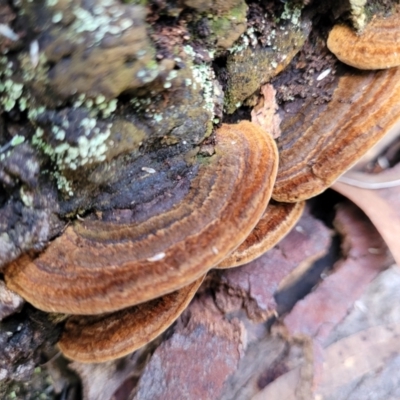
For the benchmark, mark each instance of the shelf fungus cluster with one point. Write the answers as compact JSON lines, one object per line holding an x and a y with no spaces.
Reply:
{"x":378,"y":47}
{"x":122,"y":284}
{"x":320,"y":143}
{"x":108,"y":273}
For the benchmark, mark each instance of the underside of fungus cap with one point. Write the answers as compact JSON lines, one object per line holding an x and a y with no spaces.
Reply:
{"x":318,"y":144}
{"x":275,"y":224}
{"x":92,"y":339}
{"x":96,"y":267}
{"x":377,"y":47}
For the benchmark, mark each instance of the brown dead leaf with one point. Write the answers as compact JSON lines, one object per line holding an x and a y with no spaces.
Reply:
{"x":382,"y":206}
{"x":264,"y":113}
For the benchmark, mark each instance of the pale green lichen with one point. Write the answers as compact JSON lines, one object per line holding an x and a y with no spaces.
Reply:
{"x":358,"y":14}
{"x":247,"y":39}
{"x":99,"y":21}
{"x":250,"y":65}
{"x":5,"y":150}
{"x":26,"y":197}
{"x":63,"y":184}
{"x":197,"y":79}
{"x":16,"y":140}
{"x":99,"y":105}
{"x":91,"y":147}
{"x":39,"y":387}
{"x":292,"y":12}
{"x":16,"y":78}
{"x":10,"y":90}
{"x":30,"y":87}
{"x":203,"y":75}
{"x":140,"y":104}
{"x":112,"y":52}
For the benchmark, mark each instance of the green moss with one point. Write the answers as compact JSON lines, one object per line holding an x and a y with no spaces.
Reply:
{"x":87,"y":77}
{"x":215,"y":7}
{"x":136,"y":2}
{"x":39,"y":386}
{"x":249,"y":67}
{"x":227,"y":28}
{"x":378,"y":7}
{"x":205,"y":160}
{"x":25,"y":85}
{"x":96,"y":49}
{"x":239,"y":12}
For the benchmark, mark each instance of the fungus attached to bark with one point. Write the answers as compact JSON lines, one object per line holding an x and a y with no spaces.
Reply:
{"x":319,"y":143}
{"x":96,"y":267}
{"x":101,"y":338}
{"x":277,"y":221}
{"x":377,"y":47}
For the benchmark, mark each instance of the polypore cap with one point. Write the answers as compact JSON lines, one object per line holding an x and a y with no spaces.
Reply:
{"x":101,"y":338}
{"x":318,"y":145}
{"x":276,"y":222}
{"x":377,"y":47}
{"x":96,"y":267}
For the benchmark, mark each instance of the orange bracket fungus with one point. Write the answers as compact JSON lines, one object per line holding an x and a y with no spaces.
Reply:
{"x":97,"y":267}
{"x":277,"y":221}
{"x":377,"y":47}
{"x":106,"y":337}
{"x":319,"y":144}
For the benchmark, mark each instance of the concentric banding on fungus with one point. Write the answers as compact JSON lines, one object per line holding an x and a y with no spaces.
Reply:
{"x":377,"y":47}
{"x":93,"y":339}
{"x":276,"y":222}
{"x":316,"y":147}
{"x":97,"y":267}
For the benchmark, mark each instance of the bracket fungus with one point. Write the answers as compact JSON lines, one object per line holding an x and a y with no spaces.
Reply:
{"x":276,"y":222}
{"x":318,"y":144}
{"x":96,"y":267}
{"x":106,"y":337}
{"x":377,"y":47}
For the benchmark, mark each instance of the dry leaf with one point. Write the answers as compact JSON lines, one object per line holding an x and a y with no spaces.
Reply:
{"x":264,"y":113}
{"x":382,"y":206}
